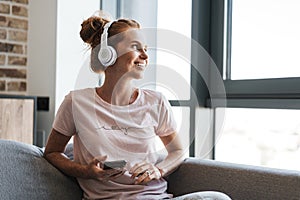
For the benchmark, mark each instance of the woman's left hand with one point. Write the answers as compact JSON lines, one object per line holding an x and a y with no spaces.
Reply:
{"x":144,"y":172}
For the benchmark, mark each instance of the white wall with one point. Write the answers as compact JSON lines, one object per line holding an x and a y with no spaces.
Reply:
{"x":56,"y":54}
{"x":42,"y":56}
{"x":73,"y":70}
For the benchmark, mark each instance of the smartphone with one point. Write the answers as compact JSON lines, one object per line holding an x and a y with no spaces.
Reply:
{"x":113,"y":164}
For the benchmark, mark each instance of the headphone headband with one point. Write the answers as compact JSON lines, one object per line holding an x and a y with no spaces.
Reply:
{"x":107,"y":54}
{"x":104,"y":35}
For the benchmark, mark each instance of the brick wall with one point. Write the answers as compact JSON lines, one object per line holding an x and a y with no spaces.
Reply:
{"x":13,"y":46}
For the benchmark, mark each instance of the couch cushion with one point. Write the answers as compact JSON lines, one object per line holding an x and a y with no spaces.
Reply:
{"x":25,"y":174}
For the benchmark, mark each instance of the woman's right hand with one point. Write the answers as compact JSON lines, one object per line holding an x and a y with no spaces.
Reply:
{"x":95,"y":171}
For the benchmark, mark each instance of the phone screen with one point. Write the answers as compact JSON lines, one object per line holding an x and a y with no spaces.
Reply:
{"x":114,"y":164}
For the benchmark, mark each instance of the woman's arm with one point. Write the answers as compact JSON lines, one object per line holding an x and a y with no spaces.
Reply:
{"x":54,"y":153}
{"x":175,"y":156}
{"x":145,"y":171}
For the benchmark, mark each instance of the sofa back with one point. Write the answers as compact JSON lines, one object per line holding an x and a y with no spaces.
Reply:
{"x":25,"y":174}
{"x":240,"y":182}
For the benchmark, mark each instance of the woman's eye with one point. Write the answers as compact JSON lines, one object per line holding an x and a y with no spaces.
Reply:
{"x":135,"y":47}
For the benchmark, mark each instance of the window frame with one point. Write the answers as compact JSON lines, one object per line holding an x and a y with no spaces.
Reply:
{"x":251,"y":93}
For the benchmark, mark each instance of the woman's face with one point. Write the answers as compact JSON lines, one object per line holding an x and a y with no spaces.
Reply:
{"x":132,"y":54}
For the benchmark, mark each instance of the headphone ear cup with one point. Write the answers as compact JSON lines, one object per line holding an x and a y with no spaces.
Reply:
{"x":107,"y":56}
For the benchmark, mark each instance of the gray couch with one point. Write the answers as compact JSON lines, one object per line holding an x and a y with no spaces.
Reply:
{"x":25,"y":174}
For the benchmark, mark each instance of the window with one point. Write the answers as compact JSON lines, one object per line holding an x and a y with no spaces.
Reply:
{"x":266,"y":137}
{"x":265,"y":39}
{"x":261,"y":77}
{"x":260,"y":54}
{"x":176,"y":22}
{"x":172,"y":70}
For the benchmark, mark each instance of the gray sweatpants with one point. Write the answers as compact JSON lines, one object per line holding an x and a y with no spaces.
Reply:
{"x":207,"y":195}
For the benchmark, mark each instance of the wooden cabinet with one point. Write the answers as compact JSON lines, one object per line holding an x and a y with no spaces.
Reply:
{"x":17,"y":118}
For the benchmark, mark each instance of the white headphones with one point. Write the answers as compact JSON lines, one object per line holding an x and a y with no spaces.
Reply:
{"x":107,"y":54}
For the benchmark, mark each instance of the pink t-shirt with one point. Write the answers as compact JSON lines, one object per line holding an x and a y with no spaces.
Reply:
{"x":120,"y":132}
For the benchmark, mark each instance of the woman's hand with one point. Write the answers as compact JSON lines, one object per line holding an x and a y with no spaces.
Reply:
{"x":144,"y":172}
{"x":95,"y":171}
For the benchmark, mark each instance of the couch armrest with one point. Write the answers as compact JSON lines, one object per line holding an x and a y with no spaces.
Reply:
{"x":240,"y":182}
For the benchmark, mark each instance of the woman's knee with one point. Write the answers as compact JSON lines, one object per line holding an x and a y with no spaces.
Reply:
{"x":207,"y":195}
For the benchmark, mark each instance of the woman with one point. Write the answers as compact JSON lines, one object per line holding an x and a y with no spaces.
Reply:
{"x":116,"y":121}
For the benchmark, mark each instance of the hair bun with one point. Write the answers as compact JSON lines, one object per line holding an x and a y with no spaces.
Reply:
{"x":91,"y":30}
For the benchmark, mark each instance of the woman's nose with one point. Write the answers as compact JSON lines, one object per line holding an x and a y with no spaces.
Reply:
{"x":143,"y":54}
